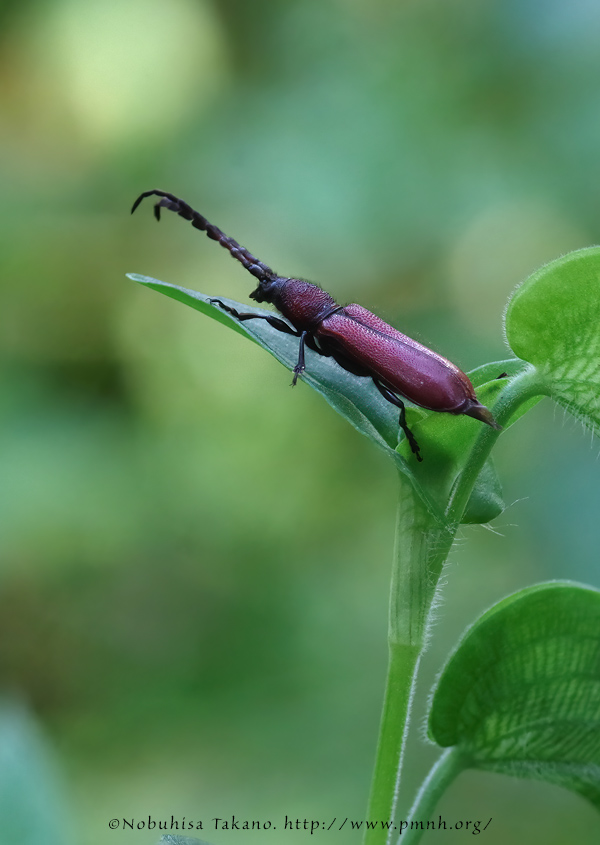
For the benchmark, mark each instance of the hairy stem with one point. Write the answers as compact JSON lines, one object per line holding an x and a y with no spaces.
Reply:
{"x":421,"y":542}
{"x":422,"y":545}
{"x":520,"y":389}
{"x":447,"y":767}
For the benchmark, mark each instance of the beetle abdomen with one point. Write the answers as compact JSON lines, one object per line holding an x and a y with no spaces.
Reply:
{"x":403,"y":364}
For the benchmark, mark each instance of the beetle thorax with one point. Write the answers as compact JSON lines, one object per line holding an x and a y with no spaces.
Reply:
{"x":301,"y":302}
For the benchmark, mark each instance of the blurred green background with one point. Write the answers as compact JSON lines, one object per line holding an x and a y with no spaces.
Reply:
{"x":194,"y":558}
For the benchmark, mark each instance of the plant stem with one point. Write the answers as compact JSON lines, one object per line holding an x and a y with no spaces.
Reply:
{"x":420,"y":542}
{"x":520,"y":389}
{"x":422,"y":545}
{"x":447,"y":767}
{"x":402,"y":670}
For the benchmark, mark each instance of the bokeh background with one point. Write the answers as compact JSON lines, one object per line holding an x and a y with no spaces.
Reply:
{"x":194,"y":558}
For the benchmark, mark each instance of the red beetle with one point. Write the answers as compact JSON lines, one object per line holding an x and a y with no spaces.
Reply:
{"x":358,"y":340}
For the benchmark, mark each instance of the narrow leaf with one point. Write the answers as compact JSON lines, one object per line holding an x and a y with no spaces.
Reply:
{"x":521,"y":693}
{"x":444,"y":439}
{"x":32,"y":808}
{"x":356,"y":399}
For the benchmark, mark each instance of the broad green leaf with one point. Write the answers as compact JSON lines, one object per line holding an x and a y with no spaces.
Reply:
{"x":32,"y":809}
{"x":521,"y":693}
{"x":553,"y":321}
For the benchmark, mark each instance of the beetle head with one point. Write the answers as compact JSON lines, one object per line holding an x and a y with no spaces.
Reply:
{"x":268,"y":289}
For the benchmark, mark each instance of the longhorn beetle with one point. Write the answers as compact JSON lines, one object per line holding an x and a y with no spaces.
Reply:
{"x":360,"y":342}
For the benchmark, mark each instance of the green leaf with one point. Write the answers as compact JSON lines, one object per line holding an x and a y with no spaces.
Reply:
{"x":32,"y":809}
{"x":444,"y":439}
{"x":448,"y":440}
{"x":553,"y":321}
{"x":494,"y":370}
{"x":356,"y":399}
{"x":521,"y":693}
{"x":485,"y":502}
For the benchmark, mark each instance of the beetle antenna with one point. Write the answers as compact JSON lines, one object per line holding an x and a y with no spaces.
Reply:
{"x":253,"y":265}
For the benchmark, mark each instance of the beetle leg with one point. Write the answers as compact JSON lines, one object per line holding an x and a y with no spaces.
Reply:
{"x":300,"y":366}
{"x":391,"y":397}
{"x":278,"y":324}
{"x":409,"y":435}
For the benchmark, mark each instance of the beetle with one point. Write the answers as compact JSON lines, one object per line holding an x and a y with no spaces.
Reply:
{"x":360,"y":342}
